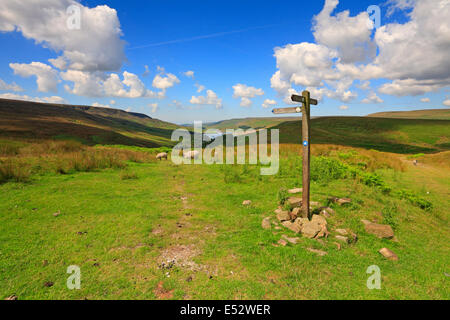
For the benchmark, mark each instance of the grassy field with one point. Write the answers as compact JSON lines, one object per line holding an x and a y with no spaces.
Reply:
{"x":122,"y":215}
{"x":247,"y":123}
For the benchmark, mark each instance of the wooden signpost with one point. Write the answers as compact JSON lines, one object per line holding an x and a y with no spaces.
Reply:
{"x":305,"y":109}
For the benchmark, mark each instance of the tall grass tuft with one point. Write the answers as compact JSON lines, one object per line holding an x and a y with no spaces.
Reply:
{"x":13,"y":171}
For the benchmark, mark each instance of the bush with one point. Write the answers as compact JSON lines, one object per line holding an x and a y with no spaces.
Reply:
{"x":283,"y":195}
{"x":325,"y":169}
{"x":390,"y":215}
{"x":13,"y":171}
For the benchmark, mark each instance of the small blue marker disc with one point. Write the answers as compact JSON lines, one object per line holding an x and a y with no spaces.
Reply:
{"x":305,"y":143}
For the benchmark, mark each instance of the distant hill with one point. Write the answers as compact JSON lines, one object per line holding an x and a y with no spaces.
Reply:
{"x":247,"y":123}
{"x":90,"y":125}
{"x":436,"y":114}
{"x":383,"y":134}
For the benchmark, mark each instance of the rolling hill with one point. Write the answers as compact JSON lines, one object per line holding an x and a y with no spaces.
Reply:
{"x":246,"y":123}
{"x":435,"y":114}
{"x":383,"y":134}
{"x":89,"y":125}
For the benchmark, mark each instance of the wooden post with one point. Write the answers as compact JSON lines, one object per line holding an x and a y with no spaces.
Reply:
{"x":306,"y":101}
{"x":306,"y":153}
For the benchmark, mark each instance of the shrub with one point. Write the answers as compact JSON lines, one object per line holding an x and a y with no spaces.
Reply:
{"x":13,"y":171}
{"x":327,"y":169}
{"x":390,"y":215}
{"x":283,"y":195}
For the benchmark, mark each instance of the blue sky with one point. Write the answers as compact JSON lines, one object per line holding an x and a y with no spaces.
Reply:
{"x":224,"y":43}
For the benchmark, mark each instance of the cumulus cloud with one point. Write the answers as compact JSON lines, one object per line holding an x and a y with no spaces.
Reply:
{"x":372,"y":98}
{"x":9,"y":87}
{"x":446,"y":102}
{"x":412,"y":56}
{"x":46,"y":76}
{"x":269,"y":103}
{"x":425,"y":100}
{"x":102,"y":85}
{"x":246,"y":93}
{"x":343,"y":108}
{"x":350,"y":36}
{"x":189,"y":74}
{"x":97,"y":46}
{"x":99,"y":105}
{"x":165,"y":82}
{"x":199,"y":87}
{"x":211,"y":99}
{"x":13,"y":96}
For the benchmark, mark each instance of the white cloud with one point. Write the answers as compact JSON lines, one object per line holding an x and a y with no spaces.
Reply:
{"x":102,"y":85}
{"x":446,"y":102}
{"x":269,"y":103}
{"x":425,"y":100}
{"x":246,"y":93}
{"x":47,"y":77}
{"x":154,"y":107}
{"x":165,"y":82}
{"x":210,"y":99}
{"x":372,"y":98}
{"x":189,"y":74}
{"x":9,"y":87}
{"x":412,"y":56}
{"x":97,"y":46}
{"x":350,"y":36}
{"x":98,"y":105}
{"x":53,"y":99}
{"x":200,"y":87}
{"x":343,"y":108}
{"x":113,"y":102}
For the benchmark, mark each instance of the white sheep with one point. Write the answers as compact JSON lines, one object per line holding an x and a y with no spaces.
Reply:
{"x":161,"y":156}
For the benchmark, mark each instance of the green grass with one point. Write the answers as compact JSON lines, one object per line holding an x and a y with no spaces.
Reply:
{"x":120,"y":251}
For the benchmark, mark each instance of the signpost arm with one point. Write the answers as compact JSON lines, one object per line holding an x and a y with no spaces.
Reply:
{"x":306,"y":153}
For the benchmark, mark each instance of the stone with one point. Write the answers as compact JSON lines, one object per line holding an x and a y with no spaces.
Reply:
{"x":301,"y":221}
{"x":278,"y":228}
{"x":48,"y":284}
{"x":342,"y":239}
{"x":343,"y":201}
{"x":388,"y":254}
{"x":247,"y":203}
{"x":44,"y":263}
{"x":338,"y":245}
{"x":319,"y":220}
{"x":291,"y":240}
{"x":366,"y":222}
{"x":57,"y":214}
{"x":295,"y":202}
{"x":323,"y":233}
{"x":266,"y":224}
{"x":325,"y":214}
{"x":282,"y":243}
{"x":11,"y":298}
{"x":283,"y":215}
{"x":342,"y":232}
{"x":382,"y":231}
{"x":311,"y":230}
{"x":295,"y":190}
{"x":297,"y":212}
{"x":292,"y":226}
{"x":318,"y":252}
{"x":314,"y":204}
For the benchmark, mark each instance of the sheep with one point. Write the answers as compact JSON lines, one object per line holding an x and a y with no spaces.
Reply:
{"x":162,"y":156}
{"x":191,"y":155}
